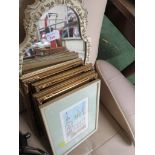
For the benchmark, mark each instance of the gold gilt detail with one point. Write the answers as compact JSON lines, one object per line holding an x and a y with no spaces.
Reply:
{"x":61,"y":77}
{"x":64,"y":86}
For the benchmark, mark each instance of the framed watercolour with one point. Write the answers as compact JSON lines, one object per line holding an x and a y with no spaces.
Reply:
{"x":71,"y":118}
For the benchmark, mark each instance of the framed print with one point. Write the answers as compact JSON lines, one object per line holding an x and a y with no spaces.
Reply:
{"x":71,"y":118}
{"x":74,"y":120}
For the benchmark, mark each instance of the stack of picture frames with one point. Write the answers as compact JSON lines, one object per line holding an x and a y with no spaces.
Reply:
{"x":63,"y":102}
{"x":60,"y":87}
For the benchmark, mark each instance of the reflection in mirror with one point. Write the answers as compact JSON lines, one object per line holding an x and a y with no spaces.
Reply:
{"x":57,"y":36}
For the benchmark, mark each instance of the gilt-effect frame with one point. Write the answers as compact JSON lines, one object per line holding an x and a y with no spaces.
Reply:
{"x":52,"y":114}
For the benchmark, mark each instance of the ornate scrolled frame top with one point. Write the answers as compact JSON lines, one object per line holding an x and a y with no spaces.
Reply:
{"x":34,"y":12}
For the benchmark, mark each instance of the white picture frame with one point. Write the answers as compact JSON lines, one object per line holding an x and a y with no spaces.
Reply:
{"x":86,"y":100}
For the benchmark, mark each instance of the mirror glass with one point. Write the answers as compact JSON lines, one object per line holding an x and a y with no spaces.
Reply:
{"x":58,"y":30}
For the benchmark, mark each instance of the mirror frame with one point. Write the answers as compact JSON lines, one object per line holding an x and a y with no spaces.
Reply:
{"x":35,"y":11}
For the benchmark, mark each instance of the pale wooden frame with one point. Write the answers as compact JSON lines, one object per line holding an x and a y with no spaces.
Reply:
{"x":34,"y":12}
{"x":41,"y":107}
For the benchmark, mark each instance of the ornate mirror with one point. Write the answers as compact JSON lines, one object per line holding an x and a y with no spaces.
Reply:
{"x":53,"y":26}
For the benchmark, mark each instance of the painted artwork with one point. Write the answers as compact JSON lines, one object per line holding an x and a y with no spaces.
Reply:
{"x":74,"y":120}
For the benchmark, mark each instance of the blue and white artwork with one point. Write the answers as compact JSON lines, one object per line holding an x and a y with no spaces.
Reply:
{"x":74,"y":120}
